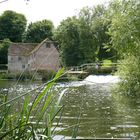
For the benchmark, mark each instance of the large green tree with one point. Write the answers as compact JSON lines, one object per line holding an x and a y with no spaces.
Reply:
{"x":82,"y":38}
{"x":87,"y":37}
{"x":124,"y":29}
{"x":95,"y":30}
{"x":67,"y":35}
{"x":125,"y":38}
{"x":100,"y":23}
{"x":38,"y":31}
{"x":76,"y":42}
{"x":12,"y":26}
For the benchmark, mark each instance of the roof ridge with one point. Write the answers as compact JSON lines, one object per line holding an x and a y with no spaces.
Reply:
{"x":39,"y":45}
{"x":33,"y":47}
{"x":22,"y":43}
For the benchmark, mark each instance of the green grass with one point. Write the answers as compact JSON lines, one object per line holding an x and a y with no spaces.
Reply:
{"x":17,"y":125}
{"x":107,"y":63}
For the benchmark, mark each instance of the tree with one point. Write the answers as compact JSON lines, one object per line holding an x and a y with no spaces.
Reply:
{"x":12,"y":26}
{"x":68,"y":37}
{"x":76,"y":42}
{"x":38,"y":31}
{"x":125,"y":27}
{"x":4,"y":50}
{"x":97,"y":28}
{"x":87,"y":37}
{"x":82,"y":38}
{"x":125,"y":38}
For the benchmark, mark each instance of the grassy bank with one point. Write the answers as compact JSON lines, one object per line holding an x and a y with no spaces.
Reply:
{"x":12,"y":76}
{"x":40,"y":75}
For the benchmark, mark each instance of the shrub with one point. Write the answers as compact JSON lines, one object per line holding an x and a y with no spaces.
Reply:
{"x":129,"y":72}
{"x":15,"y":76}
{"x":46,"y":75}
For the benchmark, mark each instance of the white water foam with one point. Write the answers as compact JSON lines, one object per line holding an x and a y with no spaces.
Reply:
{"x":92,"y":79}
{"x":102,"y":79}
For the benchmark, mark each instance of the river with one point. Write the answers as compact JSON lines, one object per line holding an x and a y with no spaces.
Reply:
{"x":91,"y":104}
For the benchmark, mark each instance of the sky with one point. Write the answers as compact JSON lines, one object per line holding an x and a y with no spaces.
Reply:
{"x":54,"y":10}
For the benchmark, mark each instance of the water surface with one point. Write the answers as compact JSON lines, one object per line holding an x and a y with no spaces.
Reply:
{"x":92,"y":110}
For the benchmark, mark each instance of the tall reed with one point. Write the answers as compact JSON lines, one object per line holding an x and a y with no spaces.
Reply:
{"x":34,"y":119}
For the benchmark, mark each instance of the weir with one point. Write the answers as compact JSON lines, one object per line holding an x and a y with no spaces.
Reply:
{"x":102,"y":79}
{"x":92,"y":68}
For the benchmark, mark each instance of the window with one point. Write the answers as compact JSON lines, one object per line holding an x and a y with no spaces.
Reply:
{"x":48,"y":45}
{"x":23,"y":66}
{"x":19,"y":58}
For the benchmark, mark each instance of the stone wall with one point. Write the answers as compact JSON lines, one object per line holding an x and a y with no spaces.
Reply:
{"x":47,"y":57}
{"x":17,"y":63}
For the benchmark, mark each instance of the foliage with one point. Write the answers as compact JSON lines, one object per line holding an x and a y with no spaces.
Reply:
{"x":82,"y":38}
{"x":107,"y":63}
{"x":12,"y":26}
{"x":125,"y":38}
{"x":68,"y":37}
{"x":4,"y":50}
{"x":99,"y":28}
{"x":16,"y":76}
{"x":38,"y":31}
{"x":125,"y":27}
{"x":46,"y":74}
{"x":129,"y":71}
{"x":20,"y":124}
{"x":87,"y":37}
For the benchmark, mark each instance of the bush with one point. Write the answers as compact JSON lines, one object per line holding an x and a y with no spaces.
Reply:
{"x":129,"y":72}
{"x":46,"y":75}
{"x":15,"y":76}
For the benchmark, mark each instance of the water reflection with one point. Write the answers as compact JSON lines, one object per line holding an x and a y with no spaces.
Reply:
{"x":100,"y":113}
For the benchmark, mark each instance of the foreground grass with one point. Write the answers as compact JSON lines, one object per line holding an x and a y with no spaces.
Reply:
{"x":42,"y":109}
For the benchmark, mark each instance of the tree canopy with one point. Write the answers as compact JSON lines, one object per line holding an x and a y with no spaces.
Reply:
{"x":125,"y":27}
{"x":12,"y":26}
{"x":38,"y":31}
{"x":68,"y":37}
{"x":124,"y":31}
{"x":82,"y":38}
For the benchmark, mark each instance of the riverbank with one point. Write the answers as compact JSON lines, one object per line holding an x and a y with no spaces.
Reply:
{"x":36,"y":76}
{"x":47,"y":75}
{"x":12,"y":76}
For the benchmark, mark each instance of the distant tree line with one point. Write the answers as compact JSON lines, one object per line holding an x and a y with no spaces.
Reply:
{"x":83,"y":38}
{"x":86,"y":37}
{"x":14,"y":28}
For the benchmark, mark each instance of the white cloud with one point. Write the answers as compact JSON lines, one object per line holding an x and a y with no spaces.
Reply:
{"x":55,"y":10}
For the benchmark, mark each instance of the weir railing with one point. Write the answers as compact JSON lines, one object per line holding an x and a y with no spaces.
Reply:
{"x":87,"y":66}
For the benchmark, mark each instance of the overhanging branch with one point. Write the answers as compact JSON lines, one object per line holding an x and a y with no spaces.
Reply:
{"x":3,"y":1}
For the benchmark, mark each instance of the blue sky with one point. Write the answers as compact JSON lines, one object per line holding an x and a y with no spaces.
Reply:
{"x":54,"y":10}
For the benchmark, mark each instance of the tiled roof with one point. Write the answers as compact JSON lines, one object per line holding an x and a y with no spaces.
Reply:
{"x":26,"y":48}
{"x":39,"y":45}
{"x":21,"y":48}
